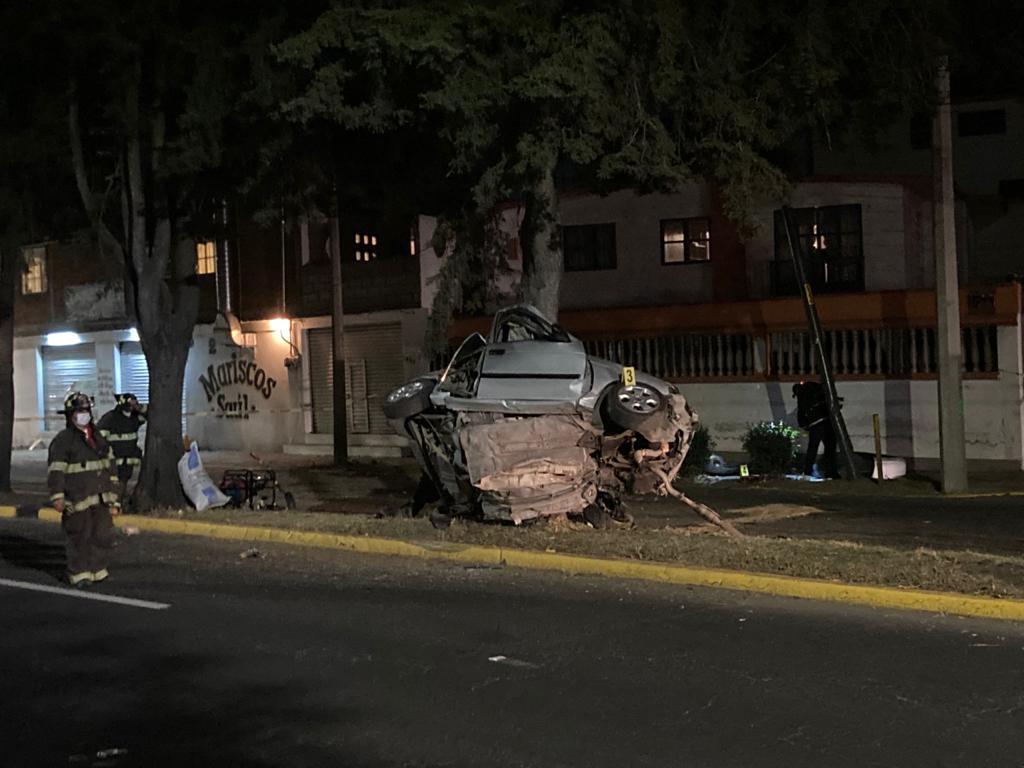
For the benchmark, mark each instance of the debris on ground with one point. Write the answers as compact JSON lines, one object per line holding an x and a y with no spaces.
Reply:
{"x":131,"y":530}
{"x":251,"y":552}
{"x":500,"y":659}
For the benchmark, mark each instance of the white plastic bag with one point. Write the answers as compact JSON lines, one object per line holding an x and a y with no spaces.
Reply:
{"x":197,"y":484}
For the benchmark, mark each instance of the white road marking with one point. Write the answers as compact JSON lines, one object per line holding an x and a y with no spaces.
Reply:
{"x":84,"y":595}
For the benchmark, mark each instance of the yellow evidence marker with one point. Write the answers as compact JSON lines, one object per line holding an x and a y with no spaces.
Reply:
{"x":629,"y":376}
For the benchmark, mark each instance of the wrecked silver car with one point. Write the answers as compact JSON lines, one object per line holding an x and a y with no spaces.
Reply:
{"x":525,"y":424}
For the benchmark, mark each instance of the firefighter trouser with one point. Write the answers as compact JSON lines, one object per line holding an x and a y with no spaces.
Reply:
{"x":125,"y":472}
{"x":91,"y":535}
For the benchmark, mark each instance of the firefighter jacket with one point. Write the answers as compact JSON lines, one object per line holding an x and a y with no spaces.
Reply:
{"x":122,"y":432}
{"x":79,"y":474}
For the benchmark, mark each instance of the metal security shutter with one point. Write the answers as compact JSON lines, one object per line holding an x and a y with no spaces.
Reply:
{"x":321,"y":379}
{"x":65,"y":370}
{"x":375,"y":366}
{"x":134,"y":371}
{"x":135,"y":377}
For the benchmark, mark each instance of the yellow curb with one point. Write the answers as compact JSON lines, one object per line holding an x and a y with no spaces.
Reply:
{"x":8,"y":511}
{"x":785,"y":586}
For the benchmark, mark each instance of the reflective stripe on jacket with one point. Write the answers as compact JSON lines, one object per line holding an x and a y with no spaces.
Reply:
{"x":77,"y":473}
{"x":122,"y":432}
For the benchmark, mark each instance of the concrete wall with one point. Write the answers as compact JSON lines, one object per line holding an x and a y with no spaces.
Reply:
{"x":240,"y":398}
{"x":908,"y":411}
{"x":639,"y":277}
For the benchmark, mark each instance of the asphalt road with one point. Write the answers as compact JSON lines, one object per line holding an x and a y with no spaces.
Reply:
{"x":315,"y":658}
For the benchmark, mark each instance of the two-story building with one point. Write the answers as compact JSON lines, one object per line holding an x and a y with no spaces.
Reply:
{"x":259,"y":373}
{"x":662,"y":281}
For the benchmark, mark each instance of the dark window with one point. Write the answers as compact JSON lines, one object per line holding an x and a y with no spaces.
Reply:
{"x":921,"y":131}
{"x":685,"y":241}
{"x":831,"y":242}
{"x":588,"y":247}
{"x":983,"y":122}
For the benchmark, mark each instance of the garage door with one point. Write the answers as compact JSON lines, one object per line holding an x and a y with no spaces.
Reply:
{"x":374,"y":367}
{"x":65,"y":370}
{"x":321,"y":379}
{"x":135,"y":376}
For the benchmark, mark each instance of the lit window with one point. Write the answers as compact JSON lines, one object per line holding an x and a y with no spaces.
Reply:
{"x":206,"y":258}
{"x":685,"y":241}
{"x":33,"y":279}
{"x":366,"y":247}
{"x":831,"y":242}
{"x":412,"y":242}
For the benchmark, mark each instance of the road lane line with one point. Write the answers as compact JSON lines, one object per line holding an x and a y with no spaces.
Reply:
{"x":84,"y":595}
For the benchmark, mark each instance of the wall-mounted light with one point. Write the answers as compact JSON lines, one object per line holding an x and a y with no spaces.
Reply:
{"x":63,"y":339}
{"x":283,"y":327}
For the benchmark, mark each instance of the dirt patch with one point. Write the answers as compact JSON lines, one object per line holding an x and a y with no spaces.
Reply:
{"x":770,"y":513}
{"x":951,"y":571}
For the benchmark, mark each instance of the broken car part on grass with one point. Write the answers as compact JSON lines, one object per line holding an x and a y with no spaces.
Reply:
{"x":525,"y":424}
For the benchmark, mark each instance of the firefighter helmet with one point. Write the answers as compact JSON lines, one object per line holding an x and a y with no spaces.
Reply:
{"x":127,"y":399}
{"x":76,"y":401}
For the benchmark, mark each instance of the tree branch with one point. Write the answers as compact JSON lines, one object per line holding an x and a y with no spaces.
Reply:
{"x":92,"y":208}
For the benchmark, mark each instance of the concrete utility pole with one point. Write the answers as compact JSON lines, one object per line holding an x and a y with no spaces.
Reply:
{"x":849,"y":468}
{"x":338,"y":337}
{"x":949,"y":352}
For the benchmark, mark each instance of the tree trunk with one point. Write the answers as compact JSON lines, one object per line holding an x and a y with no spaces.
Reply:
{"x":167,"y":315}
{"x":8,"y":271}
{"x":543,"y":277}
{"x":158,"y":484}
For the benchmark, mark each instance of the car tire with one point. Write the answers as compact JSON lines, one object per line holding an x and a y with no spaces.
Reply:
{"x":633,"y":407}
{"x":409,"y":400}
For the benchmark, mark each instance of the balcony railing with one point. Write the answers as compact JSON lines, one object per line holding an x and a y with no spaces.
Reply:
{"x":880,"y":335}
{"x":858,"y":353}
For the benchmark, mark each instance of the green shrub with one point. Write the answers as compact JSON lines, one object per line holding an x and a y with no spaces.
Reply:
{"x":702,"y":445}
{"x":771,"y":447}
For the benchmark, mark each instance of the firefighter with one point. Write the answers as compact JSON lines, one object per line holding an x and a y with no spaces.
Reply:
{"x":120,"y":427}
{"x":82,"y":487}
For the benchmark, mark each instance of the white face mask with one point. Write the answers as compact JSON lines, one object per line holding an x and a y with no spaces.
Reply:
{"x":82,"y":418}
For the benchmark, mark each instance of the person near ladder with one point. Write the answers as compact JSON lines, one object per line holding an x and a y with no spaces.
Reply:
{"x":812,"y":414}
{"x":120,"y":427}
{"x":82,"y":483}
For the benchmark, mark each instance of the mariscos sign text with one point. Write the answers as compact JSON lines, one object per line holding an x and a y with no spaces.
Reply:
{"x":239,"y":373}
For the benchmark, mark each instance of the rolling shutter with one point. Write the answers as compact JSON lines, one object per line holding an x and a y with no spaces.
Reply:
{"x":134,"y":371}
{"x":376,"y":366}
{"x":65,"y":370}
{"x":321,"y":379}
{"x":135,"y":378}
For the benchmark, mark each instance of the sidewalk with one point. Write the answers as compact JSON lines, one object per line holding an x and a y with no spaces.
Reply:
{"x":803,"y":539}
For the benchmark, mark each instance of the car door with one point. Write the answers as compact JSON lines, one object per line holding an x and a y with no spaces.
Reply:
{"x":530,"y":361}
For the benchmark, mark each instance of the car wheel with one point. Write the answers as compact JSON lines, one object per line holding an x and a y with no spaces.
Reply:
{"x":409,"y":399}
{"x":632,"y":407}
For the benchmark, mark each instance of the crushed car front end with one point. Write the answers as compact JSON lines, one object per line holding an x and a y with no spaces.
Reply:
{"x":522,"y":427}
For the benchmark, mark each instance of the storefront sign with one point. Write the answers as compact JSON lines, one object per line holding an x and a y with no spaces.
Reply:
{"x":236,"y":373}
